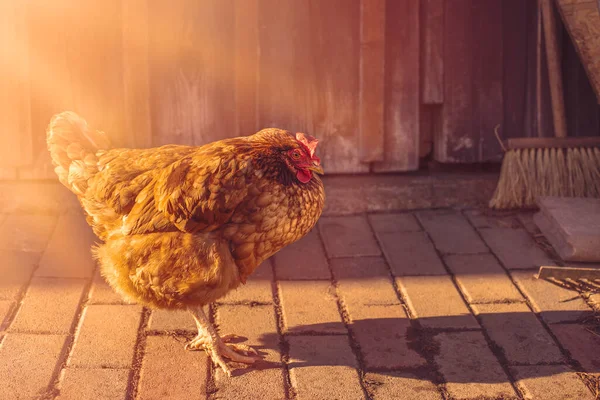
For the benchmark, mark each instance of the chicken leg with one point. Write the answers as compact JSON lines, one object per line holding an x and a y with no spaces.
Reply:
{"x":209,"y":340}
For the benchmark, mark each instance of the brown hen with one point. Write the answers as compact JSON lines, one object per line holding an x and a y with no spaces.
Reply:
{"x":181,"y":226}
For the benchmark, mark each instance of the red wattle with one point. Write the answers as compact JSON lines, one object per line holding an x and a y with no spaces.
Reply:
{"x":303,"y":175}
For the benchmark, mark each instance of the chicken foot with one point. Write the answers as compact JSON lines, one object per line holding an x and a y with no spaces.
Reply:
{"x":209,"y":340}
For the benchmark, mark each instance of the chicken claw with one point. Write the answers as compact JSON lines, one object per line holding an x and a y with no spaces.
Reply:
{"x":217,"y":347}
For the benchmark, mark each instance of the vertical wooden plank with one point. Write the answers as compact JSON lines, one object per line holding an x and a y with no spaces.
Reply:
{"x":455,"y":141}
{"x":515,"y":61}
{"x":335,"y":49}
{"x":191,"y":74}
{"x":16,"y":138}
{"x":583,"y":112}
{"x":51,"y":84}
{"x":136,"y":81}
{"x":276,"y":64}
{"x":582,"y":18}
{"x":372,"y":69}
{"x":309,"y":75}
{"x":543,"y":111}
{"x":432,"y":42}
{"x":94,"y":62}
{"x":246,"y":66}
{"x":488,"y":103}
{"x":402,"y":87}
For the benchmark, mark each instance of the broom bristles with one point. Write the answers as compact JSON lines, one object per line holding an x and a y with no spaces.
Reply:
{"x":528,"y":174}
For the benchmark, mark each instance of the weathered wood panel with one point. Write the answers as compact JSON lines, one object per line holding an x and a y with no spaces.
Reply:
{"x":15,"y":141}
{"x":583,"y":113}
{"x":94,"y":62}
{"x":372,"y":80}
{"x":191,"y":71}
{"x":246,"y":66}
{"x":402,"y":87}
{"x":456,"y":141}
{"x":432,"y":51}
{"x":136,"y":79}
{"x":75,"y":51}
{"x":276,"y":85}
{"x":582,"y":19}
{"x":334,"y":51}
{"x":515,"y":60}
{"x":309,"y":75}
{"x":488,"y":110}
{"x":50,"y":78}
{"x":531,"y":121}
{"x":473,"y":82}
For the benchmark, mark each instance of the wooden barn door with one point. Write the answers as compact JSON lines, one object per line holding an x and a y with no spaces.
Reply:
{"x":324,"y":68}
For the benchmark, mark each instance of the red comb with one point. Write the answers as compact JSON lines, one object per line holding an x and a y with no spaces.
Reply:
{"x":310,"y":142}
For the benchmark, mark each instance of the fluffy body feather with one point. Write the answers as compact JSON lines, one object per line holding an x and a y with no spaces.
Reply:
{"x":184,"y":225}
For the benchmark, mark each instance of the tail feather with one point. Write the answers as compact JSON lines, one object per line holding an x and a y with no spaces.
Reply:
{"x":73,"y":148}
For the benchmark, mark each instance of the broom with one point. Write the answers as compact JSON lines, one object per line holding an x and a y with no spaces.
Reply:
{"x":537,"y":167}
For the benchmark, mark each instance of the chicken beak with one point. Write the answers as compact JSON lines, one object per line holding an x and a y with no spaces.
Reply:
{"x":317,"y":168}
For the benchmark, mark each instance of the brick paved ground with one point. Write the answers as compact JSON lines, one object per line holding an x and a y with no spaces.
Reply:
{"x":435,"y":304}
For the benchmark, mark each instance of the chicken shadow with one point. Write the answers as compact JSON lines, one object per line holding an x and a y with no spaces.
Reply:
{"x":512,"y":342}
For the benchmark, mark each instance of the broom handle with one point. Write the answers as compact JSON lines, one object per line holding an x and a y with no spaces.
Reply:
{"x":554,"y":70}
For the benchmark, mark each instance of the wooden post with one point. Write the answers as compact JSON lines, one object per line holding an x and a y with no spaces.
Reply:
{"x":372,"y":79}
{"x":246,"y":65}
{"x":554,"y":69}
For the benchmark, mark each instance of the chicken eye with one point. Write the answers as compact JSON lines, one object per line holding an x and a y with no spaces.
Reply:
{"x":296,"y":154}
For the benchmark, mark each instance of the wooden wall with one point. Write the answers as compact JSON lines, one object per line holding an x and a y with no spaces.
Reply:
{"x":381,"y":83}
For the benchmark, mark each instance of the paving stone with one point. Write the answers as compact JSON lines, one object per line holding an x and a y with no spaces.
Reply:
{"x":400,"y":386}
{"x":310,"y":306}
{"x":515,"y":248}
{"x":377,"y":318}
{"x":323,"y":367}
{"x":69,"y":253}
{"x":16,"y":268}
{"x":492,"y":219}
{"x":470,"y":368}
{"x":571,"y":226}
{"x":97,"y":384}
{"x":258,"y":288}
{"x":106,"y":337}
{"x":26,"y":232}
{"x":359,"y":268}
{"x":5,"y":308}
{"x":519,"y":333}
{"x":304,"y":259}
{"x":411,"y":253}
{"x":348,"y":237}
{"x":172,"y":320}
{"x":471,"y":191}
{"x":482,"y":279}
{"x":102,"y":293}
{"x":526,"y":219}
{"x":33,"y":359}
{"x":171,"y":372}
{"x":50,"y":306}
{"x":264,"y":380}
{"x":393,"y":222}
{"x":451,"y":232}
{"x":435,"y":302}
{"x":550,"y":382}
{"x":582,"y":345}
{"x":554,"y":303}
{"x":40,"y":197}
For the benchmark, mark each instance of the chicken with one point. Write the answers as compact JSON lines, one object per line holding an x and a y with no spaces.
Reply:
{"x":181,"y":226}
